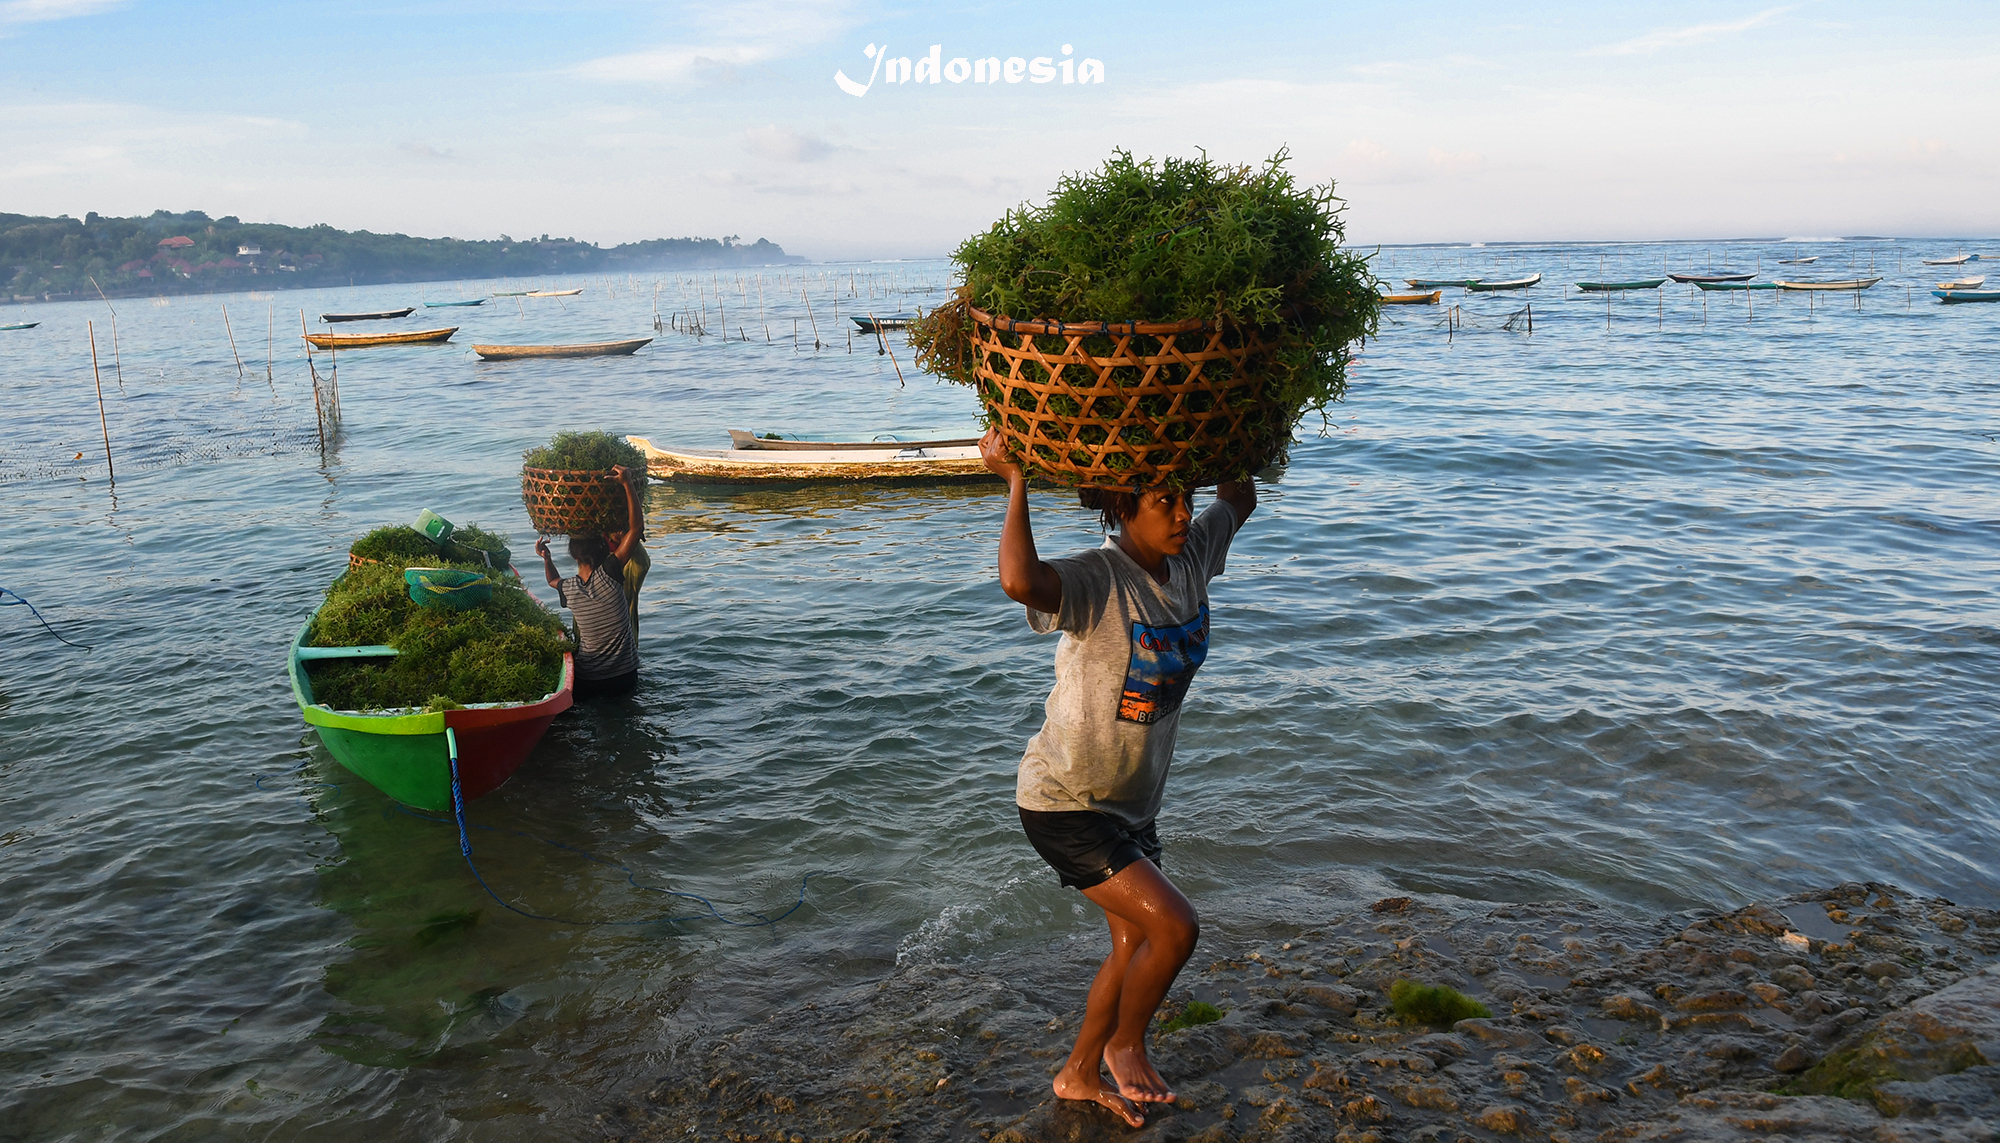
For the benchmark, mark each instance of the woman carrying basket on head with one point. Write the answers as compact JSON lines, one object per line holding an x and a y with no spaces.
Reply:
{"x":1134,"y":621}
{"x":607,"y":651}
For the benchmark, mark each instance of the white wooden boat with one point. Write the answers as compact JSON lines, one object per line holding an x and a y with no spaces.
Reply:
{"x":741,"y":440}
{"x":553,"y":293}
{"x":1798,"y":261}
{"x":845,"y":463}
{"x":1954,"y":260}
{"x":1483,"y":286}
{"x":1846,"y":284}
{"x":1963,"y":283}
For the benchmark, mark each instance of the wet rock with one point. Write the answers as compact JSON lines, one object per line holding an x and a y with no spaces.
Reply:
{"x":1627,"y":1007}
{"x":1494,"y":1034}
{"x":1793,"y":1059}
{"x":1503,"y":1119}
{"x":1939,"y":1035}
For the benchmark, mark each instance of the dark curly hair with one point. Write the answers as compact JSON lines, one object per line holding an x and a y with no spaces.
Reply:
{"x":589,"y":550}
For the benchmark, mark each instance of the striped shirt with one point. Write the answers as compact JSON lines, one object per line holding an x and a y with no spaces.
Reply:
{"x":605,"y":646}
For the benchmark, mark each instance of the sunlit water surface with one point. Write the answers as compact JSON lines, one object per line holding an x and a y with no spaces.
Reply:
{"x":1687,"y":610}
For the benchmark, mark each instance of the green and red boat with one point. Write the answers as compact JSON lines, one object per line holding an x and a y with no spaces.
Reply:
{"x":406,"y":754}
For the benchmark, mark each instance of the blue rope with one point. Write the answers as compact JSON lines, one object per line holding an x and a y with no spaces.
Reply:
{"x":17,"y":601}
{"x":631,"y":877}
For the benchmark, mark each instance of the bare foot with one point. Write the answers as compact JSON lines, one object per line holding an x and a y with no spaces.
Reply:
{"x":1137,"y":1081}
{"x":1094,"y":1089}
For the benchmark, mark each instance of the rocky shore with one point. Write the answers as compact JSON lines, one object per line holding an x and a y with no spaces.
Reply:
{"x":1859,"y":1012}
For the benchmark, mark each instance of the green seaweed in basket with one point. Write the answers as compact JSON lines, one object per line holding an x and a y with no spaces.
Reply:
{"x":594,"y":451}
{"x":395,"y":543}
{"x":508,"y":649}
{"x":1174,"y":240}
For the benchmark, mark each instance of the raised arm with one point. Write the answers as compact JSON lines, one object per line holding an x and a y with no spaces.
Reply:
{"x":548,"y":564}
{"x":635,"y":523}
{"x":1023,"y":575}
{"x":1240,"y":495}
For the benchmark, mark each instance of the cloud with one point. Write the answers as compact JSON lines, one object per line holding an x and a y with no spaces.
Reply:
{"x":421,"y":150}
{"x":1456,"y":162}
{"x":42,"y":11}
{"x":774,"y":142}
{"x":1694,"y":34}
{"x":732,"y":36}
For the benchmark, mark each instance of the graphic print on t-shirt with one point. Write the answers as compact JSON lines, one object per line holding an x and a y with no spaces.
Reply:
{"x":1164,"y":660}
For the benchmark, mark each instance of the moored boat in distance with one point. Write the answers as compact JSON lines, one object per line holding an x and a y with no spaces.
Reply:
{"x":510,"y":293}
{"x":1436,"y":283}
{"x":893,"y":321}
{"x":366,"y":340}
{"x":582,"y":349}
{"x":832,"y":462}
{"x":1963,"y":283}
{"x":1842,"y":284}
{"x":379,"y":315}
{"x":1634,"y":284}
{"x":406,"y":754}
{"x":1483,"y":286}
{"x":1807,"y":261}
{"x":1698,"y":279}
{"x":469,"y":302}
{"x":1953,"y":297}
{"x":1736,"y":285}
{"x":553,"y":293}
{"x":21,"y":325}
{"x":1954,"y":260}
{"x":1429,"y":299}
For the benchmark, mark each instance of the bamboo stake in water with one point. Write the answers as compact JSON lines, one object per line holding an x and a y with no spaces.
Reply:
{"x":232,"y":345}
{"x":270,"y":345}
{"x":885,"y":349}
{"x":102,"y":425}
{"x":117,"y":366}
{"x":809,"y":316}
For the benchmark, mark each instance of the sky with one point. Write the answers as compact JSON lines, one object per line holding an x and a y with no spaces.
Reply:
{"x":611,"y":122}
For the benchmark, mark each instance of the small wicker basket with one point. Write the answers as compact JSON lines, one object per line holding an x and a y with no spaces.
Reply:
{"x":568,"y":501}
{"x":1128,"y":405}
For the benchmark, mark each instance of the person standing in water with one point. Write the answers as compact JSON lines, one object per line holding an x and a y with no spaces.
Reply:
{"x":1134,"y":621}
{"x":607,"y":651}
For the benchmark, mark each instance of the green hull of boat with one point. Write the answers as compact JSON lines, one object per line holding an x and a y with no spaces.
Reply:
{"x":406,"y":755}
{"x":1608,"y":287}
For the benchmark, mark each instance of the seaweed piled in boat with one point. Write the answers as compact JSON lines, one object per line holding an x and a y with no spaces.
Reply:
{"x":508,"y":649}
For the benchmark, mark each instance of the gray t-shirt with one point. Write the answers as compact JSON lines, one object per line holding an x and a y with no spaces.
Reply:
{"x":605,"y":647}
{"x":1130,"y":645}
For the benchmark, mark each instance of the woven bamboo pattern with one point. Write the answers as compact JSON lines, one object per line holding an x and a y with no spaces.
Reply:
{"x":1128,"y":405}
{"x":572,"y":501}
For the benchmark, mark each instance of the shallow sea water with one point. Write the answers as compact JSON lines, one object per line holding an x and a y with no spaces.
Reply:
{"x":1692,"y":610}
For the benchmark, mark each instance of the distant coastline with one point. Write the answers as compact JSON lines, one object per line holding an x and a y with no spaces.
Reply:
{"x":57,"y":259}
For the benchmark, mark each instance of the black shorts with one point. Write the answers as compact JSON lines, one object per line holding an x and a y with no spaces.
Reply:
{"x":1087,"y":848}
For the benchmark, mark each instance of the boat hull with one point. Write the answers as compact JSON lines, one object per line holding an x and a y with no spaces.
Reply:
{"x":441,"y":305}
{"x":1698,"y":279}
{"x":367,"y":340}
{"x":1437,"y":283}
{"x":1834,"y":287}
{"x":739,"y":439}
{"x":383,"y":315}
{"x":590,"y":349}
{"x":1483,"y":287}
{"x":833,"y":466}
{"x":1429,"y":299}
{"x":1726,"y":286}
{"x":1954,"y":297}
{"x":21,"y":325}
{"x":1610,"y":287}
{"x":406,"y":756}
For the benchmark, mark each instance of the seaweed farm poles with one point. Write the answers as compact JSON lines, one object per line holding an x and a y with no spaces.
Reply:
{"x":232,"y":345}
{"x":103,"y":426}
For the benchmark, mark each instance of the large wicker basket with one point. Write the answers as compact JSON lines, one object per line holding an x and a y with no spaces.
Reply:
{"x":1128,"y":405}
{"x":567,"y":501}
